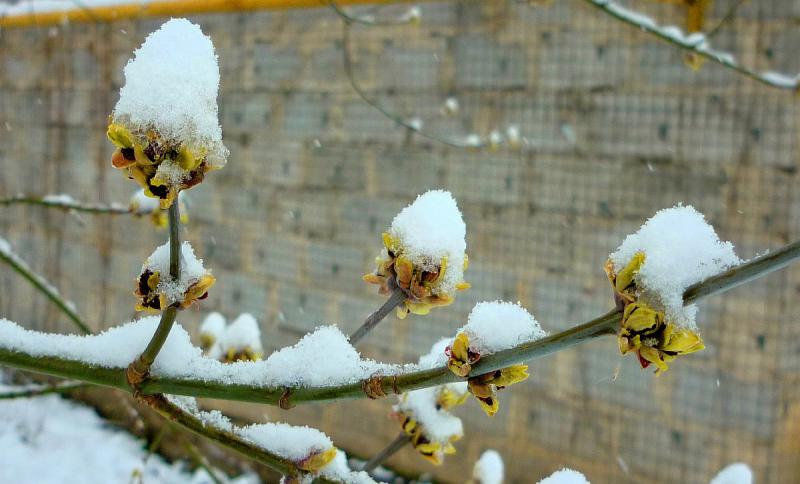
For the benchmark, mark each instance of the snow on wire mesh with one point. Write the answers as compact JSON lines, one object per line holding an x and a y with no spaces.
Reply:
{"x":498,"y":325}
{"x":322,"y":358}
{"x":171,"y":87}
{"x":680,"y":249}
{"x":191,"y":271}
{"x":489,"y":468}
{"x":430,"y":229}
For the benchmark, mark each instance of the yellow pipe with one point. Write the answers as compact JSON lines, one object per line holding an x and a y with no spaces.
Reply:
{"x":165,"y":8}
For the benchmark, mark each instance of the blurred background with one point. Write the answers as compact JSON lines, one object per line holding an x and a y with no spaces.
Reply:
{"x":612,"y":126}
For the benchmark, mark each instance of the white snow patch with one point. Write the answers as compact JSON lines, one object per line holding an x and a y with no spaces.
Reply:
{"x":191,"y":271}
{"x":431,"y":229}
{"x":213,"y":326}
{"x":439,"y":425}
{"x":680,"y":249}
{"x":565,"y":476}
{"x":242,"y":333}
{"x":322,"y":358}
{"x":338,"y":469}
{"x":171,"y":86}
{"x":59,"y":199}
{"x":489,"y":468}
{"x":498,"y":325}
{"x":49,"y":440}
{"x":737,"y":473}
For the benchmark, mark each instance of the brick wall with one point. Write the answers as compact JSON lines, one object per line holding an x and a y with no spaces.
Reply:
{"x":616,"y":128}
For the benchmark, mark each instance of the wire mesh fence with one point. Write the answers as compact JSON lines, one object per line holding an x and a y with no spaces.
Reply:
{"x":599,"y":126}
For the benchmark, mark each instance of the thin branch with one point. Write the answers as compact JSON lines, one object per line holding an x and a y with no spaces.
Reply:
{"x":202,"y":462}
{"x":38,"y":390}
{"x":408,"y":18}
{"x":606,"y":324}
{"x":694,"y":43}
{"x":396,"y":298}
{"x":398,"y":443}
{"x":728,"y":17}
{"x":67,"y":204}
{"x":411,"y":126}
{"x":140,"y":368}
{"x":40,"y":283}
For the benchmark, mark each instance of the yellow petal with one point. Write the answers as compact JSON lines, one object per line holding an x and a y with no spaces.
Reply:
{"x":458,"y":361}
{"x":119,"y":135}
{"x":681,"y":341}
{"x":490,"y":405}
{"x":625,"y":278}
{"x":317,"y":461}
{"x":640,"y":318}
{"x":511,"y":375}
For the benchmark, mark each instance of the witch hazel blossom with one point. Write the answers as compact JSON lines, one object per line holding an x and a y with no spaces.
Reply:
{"x":166,"y":125}
{"x":649,"y":273}
{"x":424,"y":254}
{"x":156,"y":289}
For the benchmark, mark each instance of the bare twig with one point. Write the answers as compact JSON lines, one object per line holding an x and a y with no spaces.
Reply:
{"x":38,"y":390}
{"x":398,"y":443}
{"x":202,"y":462}
{"x":40,"y":283}
{"x":67,"y":204}
{"x":606,"y":324}
{"x":696,"y":44}
{"x":396,"y":298}
{"x":409,"y":125}
{"x":408,"y":18}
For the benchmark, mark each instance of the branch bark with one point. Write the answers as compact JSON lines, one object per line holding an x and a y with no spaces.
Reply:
{"x":113,"y":209}
{"x":395,"y":299}
{"x":603,"y":325}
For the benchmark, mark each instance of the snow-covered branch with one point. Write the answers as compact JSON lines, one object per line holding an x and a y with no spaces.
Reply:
{"x":66,"y":202}
{"x":300,"y":374}
{"x":694,"y":43}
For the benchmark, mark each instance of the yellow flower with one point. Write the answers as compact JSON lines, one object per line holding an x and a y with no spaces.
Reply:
{"x":241,"y":354}
{"x":420,"y":284}
{"x":460,"y":356}
{"x":151,"y":299}
{"x":317,"y":460}
{"x":448,"y":398}
{"x":485,"y":386}
{"x":646,"y":332}
{"x":433,"y":451}
{"x":160,"y":168}
{"x":625,"y":290}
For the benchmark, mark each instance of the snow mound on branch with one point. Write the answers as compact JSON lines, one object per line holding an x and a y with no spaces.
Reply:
{"x":338,"y":469}
{"x":171,"y":87}
{"x":243,"y":332}
{"x":737,"y":473}
{"x":565,"y":476}
{"x":430,"y":229}
{"x":680,"y":249}
{"x":439,"y":424}
{"x":489,"y":468}
{"x":322,"y":358}
{"x":191,"y":271}
{"x":49,"y":440}
{"x":498,"y":325}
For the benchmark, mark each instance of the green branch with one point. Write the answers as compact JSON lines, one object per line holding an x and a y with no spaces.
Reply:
{"x":40,"y":283}
{"x":66,"y":204}
{"x":604,"y":325}
{"x":699,"y":47}
{"x":26,"y":392}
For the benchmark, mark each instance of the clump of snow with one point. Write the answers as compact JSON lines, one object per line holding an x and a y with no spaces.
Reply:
{"x":498,"y":325}
{"x":565,"y":476}
{"x":737,"y":473}
{"x":213,"y":326}
{"x":49,"y":440}
{"x":192,"y":271}
{"x":489,"y":468}
{"x":680,"y":249}
{"x":338,"y":470}
{"x":171,"y":87}
{"x":431,"y":229}
{"x":59,"y":199}
{"x":322,"y":358}
{"x":439,"y":425}
{"x":291,"y":442}
{"x":242,"y":333}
